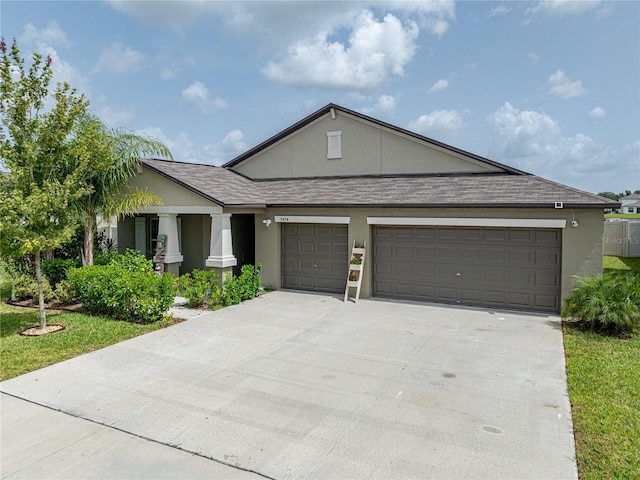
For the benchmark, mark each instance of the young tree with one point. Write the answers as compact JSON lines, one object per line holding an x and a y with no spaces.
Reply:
{"x":36,"y":149}
{"x":115,"y":155}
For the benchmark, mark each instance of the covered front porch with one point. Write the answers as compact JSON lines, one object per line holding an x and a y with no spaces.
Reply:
{"x":196,"y":238}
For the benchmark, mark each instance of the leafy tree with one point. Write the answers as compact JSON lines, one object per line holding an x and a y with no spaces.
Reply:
{"x":610,"y":195}
{"x":37,"y":146}
{"x":115,"y":155}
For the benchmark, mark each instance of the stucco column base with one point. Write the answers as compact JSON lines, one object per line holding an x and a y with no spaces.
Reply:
{"x":223,"y":273}
{"x":172,"y":268}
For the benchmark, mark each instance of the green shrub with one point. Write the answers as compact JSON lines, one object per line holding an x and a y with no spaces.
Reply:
{"x":56,"y":270}
{"x":127,"y":288}
{"x":26,"y":287}
{"x":65,"y":293}
{"x":243,"y":287}
{"x":608,"y":303}
{"x":200,"y":288}
{"x":104,"y":258}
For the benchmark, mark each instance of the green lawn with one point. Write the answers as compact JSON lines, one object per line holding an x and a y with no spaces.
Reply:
{"x":84,"y":333}
{"x":604,"y":386}
{"x":622,"y":215}
{"x":621,"y":263}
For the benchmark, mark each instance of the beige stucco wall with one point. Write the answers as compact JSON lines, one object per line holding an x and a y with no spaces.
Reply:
{"x":367,"y":149}
{"x":171,"y":193}
{"x":581,"y":246}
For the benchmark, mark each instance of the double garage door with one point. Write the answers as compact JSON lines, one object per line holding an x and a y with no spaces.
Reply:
{"x":516,"y":268}
{"x":490,"y":267}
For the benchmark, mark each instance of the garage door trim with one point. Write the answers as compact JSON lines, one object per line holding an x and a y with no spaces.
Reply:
{"x":470,"y":222}
{"x":312,"y":219}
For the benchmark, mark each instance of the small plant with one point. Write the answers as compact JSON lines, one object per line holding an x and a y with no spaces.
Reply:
{"x":608,"y":303}
{"x":243,"y":287}
{"x":65,"y":293}
{"x":356,"y":261}
{"x":200,"y":287}
{"x":25,"y":287}
{"x":353,"y":276}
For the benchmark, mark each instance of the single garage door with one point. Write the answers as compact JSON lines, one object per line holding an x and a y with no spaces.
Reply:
{"x":315,"y":257}
{"x":516,"y":268}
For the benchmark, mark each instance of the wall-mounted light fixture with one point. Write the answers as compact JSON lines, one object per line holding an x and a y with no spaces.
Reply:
{"x":267,"y":222}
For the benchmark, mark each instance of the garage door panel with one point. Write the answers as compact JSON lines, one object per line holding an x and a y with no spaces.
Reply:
{"x":544,"y":258}
{"x":547,"y":279}
{"x":425,"y":292}
{"x":498,"y":267}
{"x":549,"y":302}
{"x":446,"y":294}
{"x":314,"y":257}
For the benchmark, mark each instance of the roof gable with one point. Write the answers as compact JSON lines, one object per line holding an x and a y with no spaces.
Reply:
{"x":367,"y":147}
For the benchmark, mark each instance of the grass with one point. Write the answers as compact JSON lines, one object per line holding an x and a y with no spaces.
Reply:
{"x":83,"y":333}
{"x":621,"y":263}
{"x":604,"y":386}
{"x":622,"y":215}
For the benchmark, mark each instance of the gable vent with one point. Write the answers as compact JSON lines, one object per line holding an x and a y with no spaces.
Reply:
{"x":334,"y":144}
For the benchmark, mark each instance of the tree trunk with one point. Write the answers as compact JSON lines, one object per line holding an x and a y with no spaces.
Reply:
{"x":89,"y":231}
{"x":43,"y":317}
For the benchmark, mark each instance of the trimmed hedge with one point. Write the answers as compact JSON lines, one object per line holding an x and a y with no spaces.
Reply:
{"x":127,"y":288}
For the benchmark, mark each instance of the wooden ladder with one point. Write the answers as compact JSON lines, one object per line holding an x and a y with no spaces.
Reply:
{"x":356,"y":268}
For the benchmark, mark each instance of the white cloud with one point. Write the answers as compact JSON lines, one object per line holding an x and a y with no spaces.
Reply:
{"x":375,"y":51}
{"x":175,"y":15}
{"x":231,"y":146}
{"x":441,"y":84}
{"x":181,"y":147}
{"x":439,"y":123}
{"x":46,"y":41}
{"x":597,"y":113}
{"x":561,"y":86}
{"x":114,"y":117}
{"x":561,"y":8}
{"x":500,"y":9}
{"x":119,"y":58}
{"x":52,"y":34}
{"x":384,"y":107}
{"x":534,"y":57}
{"x":534,"y":142}
{"x":197,"y":95}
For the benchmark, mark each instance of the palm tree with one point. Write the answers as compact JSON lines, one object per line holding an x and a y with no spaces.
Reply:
{"x":115,"y":156}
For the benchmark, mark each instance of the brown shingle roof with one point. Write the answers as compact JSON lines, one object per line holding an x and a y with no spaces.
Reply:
{"x":217,"y":184}
{"x":228,"y":188}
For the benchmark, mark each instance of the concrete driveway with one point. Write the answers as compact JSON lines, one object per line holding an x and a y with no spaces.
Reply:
{"x":294,"y":385}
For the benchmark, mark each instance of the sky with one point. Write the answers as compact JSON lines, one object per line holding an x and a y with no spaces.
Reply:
{"x":549,"y":87}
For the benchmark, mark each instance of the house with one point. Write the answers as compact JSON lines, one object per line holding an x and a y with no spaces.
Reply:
{"x":440,"y":224}
{"x":630,"y":203}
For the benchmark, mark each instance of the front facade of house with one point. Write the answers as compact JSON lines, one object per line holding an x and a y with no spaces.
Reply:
{"x":439,"y":224}
{"x":630,"y":203}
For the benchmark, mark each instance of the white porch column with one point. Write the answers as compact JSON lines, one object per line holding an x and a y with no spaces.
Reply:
{"x":221,"y":246}
{"x":167,"y":225}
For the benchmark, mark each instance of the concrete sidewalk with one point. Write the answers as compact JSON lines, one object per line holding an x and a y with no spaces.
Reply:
{"x":294,"y":385}
{"x":37,"y":442}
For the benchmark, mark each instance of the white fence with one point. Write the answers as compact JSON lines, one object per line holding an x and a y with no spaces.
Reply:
{"x":622,"y":238}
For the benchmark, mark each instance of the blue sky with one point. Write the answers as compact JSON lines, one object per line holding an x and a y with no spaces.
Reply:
{"x":550,"y":87}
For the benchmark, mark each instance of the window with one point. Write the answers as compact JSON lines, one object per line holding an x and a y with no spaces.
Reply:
{"x":334,"y":144}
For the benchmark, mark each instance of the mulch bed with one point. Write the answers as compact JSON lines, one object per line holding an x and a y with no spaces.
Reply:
{"x":52,"y":305}
{"x":37,"y":331}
